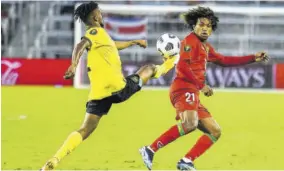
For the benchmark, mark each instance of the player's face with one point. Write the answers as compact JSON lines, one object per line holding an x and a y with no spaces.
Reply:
{"x":99,"y":17}
{"x":203,"y":28}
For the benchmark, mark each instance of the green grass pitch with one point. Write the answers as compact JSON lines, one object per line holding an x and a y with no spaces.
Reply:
{"x":36,"y":121}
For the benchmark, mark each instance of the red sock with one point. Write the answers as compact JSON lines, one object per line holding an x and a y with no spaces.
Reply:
{"x":166,"y":138}
{"x":203,"y":144}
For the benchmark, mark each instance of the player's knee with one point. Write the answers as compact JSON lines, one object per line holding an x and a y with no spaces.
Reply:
{"x":189,"y":120}
{"x":190,"y":125}
{"x":216,"y":132}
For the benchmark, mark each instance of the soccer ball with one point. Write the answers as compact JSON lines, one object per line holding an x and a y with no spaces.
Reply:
{"x":168,"y":45}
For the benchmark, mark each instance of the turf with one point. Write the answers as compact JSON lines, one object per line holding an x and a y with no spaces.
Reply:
{"x":36,"y":121}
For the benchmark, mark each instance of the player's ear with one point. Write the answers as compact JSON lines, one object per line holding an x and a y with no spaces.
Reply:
{"x":193,"y":27}
{"x":95,"y":18}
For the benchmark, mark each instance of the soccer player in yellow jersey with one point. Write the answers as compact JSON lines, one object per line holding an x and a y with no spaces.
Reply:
{"x":107,"y":82}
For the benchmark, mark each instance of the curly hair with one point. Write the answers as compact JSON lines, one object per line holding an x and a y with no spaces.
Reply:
{"x":84,"y":10}
{"x":192,"y":16}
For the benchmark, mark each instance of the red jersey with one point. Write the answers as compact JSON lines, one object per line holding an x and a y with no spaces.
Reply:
{"x":194,"y":55}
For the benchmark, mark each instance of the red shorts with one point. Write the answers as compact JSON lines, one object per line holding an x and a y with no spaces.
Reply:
{"x":188,"y":99}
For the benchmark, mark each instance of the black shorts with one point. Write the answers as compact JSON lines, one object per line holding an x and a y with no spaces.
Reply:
{"x":102,"y":106}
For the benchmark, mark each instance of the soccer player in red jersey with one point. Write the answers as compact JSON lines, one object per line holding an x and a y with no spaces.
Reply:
{"x":187,"y":85}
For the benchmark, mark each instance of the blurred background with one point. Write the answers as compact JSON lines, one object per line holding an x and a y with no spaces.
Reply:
{"x":46,"y":29}
{"x":37,"y":38}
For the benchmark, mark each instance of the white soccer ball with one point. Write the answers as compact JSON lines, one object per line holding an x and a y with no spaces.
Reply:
{"x":168,"y":45}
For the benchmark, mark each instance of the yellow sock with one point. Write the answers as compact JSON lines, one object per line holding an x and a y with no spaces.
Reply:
{"x":73,"y":140}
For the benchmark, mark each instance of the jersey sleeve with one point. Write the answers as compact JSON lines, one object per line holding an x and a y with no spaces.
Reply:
{"x":222,"y":60}
{"x":166,"y":66}
{"x":91,"y":35}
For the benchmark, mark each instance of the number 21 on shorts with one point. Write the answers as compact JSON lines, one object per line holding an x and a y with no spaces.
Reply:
{"x":190,"y":97}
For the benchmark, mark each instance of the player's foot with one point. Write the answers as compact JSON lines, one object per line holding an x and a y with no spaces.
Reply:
{"x":147,"y":156}
{"x":185,"y":165}
{"x":50,"y":164}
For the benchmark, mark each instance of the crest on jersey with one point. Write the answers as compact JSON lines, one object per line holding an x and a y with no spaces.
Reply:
{"x":93,"y":32}
{"x":186,"y":48}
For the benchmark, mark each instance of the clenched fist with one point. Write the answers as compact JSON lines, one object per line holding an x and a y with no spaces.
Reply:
{"x":261,"y":57}
{"x":207,"y":90}
{"x":70,"y":72}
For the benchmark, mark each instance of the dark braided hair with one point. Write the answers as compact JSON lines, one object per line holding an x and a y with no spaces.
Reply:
{"x":192,"y":16}
{"x":83,"y":11}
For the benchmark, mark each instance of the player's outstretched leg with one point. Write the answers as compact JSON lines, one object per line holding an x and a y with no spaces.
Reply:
{"x":73,"y":140}
{"x":188,"y":122}
{"x":212,"y":132}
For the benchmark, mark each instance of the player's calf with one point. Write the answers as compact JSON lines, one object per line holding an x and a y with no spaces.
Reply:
{"x":146,"y":72}
{"x":212,"y":132}
{"x":87,"y":131}
{"x":187,"y":123}
{"x":89,"y":125}
{"x":210,"y":127}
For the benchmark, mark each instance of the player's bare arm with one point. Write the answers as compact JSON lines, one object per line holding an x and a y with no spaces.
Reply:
{"x":76,"y":55}
{"x":125,"y":44}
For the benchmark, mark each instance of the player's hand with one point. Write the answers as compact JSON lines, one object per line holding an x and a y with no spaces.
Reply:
{"x":261,"y":57}
{"x":70,"y":72}
{"x":207,"y":90}
{"x":141,"y":43}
